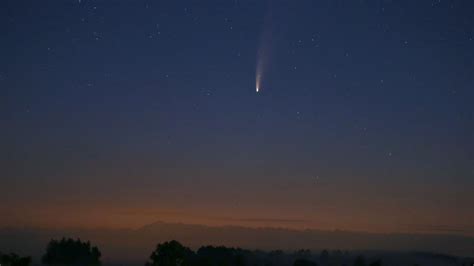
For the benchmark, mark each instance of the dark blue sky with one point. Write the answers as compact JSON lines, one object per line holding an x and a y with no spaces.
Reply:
{"x":365,"y":110}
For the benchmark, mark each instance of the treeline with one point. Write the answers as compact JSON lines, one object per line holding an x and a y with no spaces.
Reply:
{"x":60,"y":253}
{"x":173,"y":253}
{"x":78,"y":253}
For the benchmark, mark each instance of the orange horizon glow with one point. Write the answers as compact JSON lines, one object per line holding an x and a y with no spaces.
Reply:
{"x":107,"y":217}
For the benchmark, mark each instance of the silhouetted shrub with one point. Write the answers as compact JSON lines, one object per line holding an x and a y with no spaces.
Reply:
{"x":221,"y":256}
{"x":359,"y":261}
{"x":71,"y":252}
{"x":13,"y":259}
{"x":171,"y":254}
{"x":376,"y":263}
{"x":304,"y":262}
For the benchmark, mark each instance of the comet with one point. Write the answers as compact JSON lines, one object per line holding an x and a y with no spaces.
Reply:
{"x":263,"y":52}
{"x":259,"y":70}
{"x":261,"y":64}
{"x":257,"y":85}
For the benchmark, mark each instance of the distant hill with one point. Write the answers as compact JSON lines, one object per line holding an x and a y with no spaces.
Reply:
{"x":136,"y":244}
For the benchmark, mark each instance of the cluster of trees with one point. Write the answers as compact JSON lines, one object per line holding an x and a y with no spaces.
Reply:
{"x":64,"y":252}
{"x":13,"y":259}
{"x":174,"y":254}
{"x":77,"y":253}
{"x":71,"y":252}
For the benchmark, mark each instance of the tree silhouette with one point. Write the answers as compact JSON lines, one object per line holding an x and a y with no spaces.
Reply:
{"x":171,"y":254}
{"x":376,"y":263}
{"x":304,"y":262}
{"x":71,"y":252}
{"x":221,"y":256}
{"x":274,"y":257}
{"x":13,"y":259}
{"x":359,"y":261}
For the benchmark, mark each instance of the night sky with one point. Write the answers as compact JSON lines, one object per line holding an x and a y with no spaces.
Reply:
{"x":119,"y":113}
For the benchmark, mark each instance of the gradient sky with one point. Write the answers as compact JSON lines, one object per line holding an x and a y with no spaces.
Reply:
{"x":119,"y":113}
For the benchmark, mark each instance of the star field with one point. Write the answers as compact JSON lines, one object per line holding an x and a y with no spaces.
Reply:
{"x":364,"y":120}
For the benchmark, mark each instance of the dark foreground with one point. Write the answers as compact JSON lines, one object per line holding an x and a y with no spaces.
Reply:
{"x":172,"y":253}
